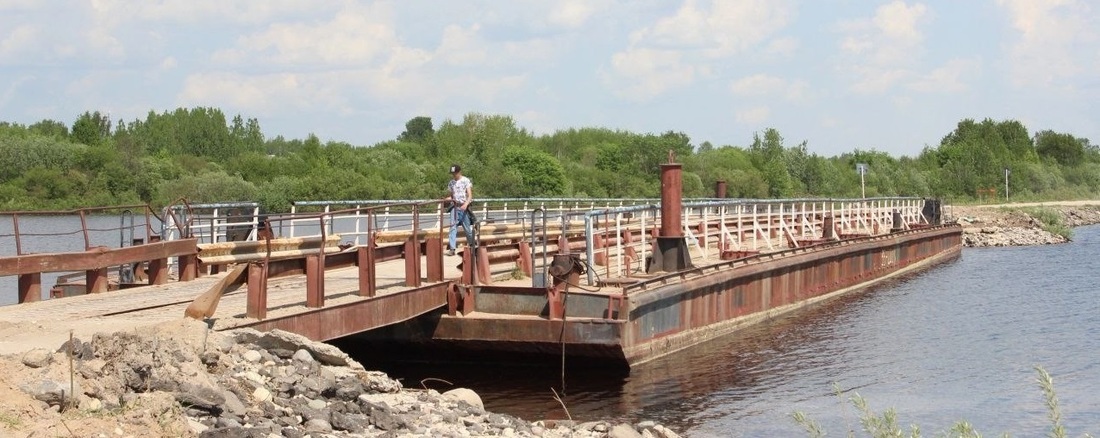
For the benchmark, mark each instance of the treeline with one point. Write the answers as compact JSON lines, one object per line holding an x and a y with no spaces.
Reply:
{"x":203,"y":156}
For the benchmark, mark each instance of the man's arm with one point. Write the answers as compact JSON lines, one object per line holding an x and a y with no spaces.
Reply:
{"x":469,"y":196}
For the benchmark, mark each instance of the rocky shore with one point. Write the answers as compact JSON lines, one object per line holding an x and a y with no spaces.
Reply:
{"x":1021,"y":224}
{"x":183,"y":379}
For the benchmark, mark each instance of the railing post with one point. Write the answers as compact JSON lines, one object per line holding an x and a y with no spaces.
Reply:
{"x":434,"y":246}
{"x":367,"y":271}
{"x":525,"y":261}
{"x":484,"y":273}
{"x":315,"y":280}
{"x":30,"y":287}
{"x":158,"y":268}
{"x":412,"y":262}
{"x":96,"y":281}
{"x":188,"y":267}
{"x":256,"y":305}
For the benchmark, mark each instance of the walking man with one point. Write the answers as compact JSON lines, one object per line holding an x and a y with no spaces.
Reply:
{"x":460,"y":193}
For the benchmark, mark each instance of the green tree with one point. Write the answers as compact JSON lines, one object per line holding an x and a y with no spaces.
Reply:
{"x":418,"y":130}
{"x":539,"y":174}
{"x":91,"y":128}
{"x":1065,"y":149}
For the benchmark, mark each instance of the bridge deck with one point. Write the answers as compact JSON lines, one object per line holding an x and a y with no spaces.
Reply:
{"x":47,"y":324}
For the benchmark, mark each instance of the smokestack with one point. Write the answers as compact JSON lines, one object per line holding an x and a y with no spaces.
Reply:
{"x":671,"y":196}
{"x":671,"y":252}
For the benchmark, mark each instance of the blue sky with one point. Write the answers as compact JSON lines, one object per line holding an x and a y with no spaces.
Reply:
{"x":844,"y":74}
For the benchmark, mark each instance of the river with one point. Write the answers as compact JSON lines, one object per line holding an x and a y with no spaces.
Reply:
{"x":957,"y":342}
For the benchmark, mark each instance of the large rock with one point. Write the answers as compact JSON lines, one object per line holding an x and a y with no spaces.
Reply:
{"x":623,"y":431}
{"x":51,"y":392}
{"x":207,"y":398}
{"x":37,"y":358}
{"x":80,"y":350}
{"x":279,"y":339}
{"x":465,"y":395}
{"x":318,"y":426}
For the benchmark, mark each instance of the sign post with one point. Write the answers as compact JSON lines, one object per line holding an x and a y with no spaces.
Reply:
{"x":862,"y":169}
{"x":1006,"y":184}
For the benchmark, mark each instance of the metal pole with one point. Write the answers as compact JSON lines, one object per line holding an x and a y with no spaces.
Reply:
{"x":1006,"y":184}
{"x":862,"y":187}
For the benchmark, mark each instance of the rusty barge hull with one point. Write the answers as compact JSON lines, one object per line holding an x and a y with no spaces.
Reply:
{"x":658,"y":316}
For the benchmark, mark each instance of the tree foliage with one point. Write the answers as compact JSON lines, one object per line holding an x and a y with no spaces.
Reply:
{"x":204,"y":155}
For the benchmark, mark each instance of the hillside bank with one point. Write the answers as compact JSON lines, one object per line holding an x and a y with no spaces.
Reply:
{"x":1022,"y":224}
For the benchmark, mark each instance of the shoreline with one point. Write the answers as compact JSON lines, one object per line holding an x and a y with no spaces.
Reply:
{"x":181,"y":378}
{"x":1021,"y":224}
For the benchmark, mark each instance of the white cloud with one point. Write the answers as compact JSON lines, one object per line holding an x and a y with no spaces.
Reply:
{"x":765,"y":85}
{"x":948,"y":78}
{"x":642,"y":74}
{"x":1051,"y":35}
{"x":21,"y":39}
{"x":784,"y":46}
{"x":675,"y":50}
{"x":753,"y":116}
{"x":882,"y":50}
{"x":352,"y":37}
{"x":462,"y":46}
{"x":573,"y":13}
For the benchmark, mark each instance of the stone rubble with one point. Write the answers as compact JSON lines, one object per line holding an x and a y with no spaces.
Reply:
{"x":990,"y":227}
{"x":246,"y":383}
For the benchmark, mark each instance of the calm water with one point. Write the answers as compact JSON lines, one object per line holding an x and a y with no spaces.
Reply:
{"x":957,"y":342}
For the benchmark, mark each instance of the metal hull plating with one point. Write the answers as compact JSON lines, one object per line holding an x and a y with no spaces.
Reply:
{"x":662,"y":315}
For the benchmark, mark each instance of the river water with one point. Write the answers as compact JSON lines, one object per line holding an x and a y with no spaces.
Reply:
{"x":957,"y":342}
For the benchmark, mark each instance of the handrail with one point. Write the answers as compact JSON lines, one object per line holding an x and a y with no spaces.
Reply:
{"x":701,"y":270}
{"x":84,"y":229}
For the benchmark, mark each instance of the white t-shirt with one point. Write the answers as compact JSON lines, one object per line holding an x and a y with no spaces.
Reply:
{"x":458,"y":189}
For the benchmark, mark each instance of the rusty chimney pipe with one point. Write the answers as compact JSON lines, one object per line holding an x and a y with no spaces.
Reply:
{"x":671,"y":196}
{"x":720,"y":189}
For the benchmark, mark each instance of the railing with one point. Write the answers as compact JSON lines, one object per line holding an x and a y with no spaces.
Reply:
{"x":19,"y":234}
{"x":742,"y":226}
{"x":212,"y":222}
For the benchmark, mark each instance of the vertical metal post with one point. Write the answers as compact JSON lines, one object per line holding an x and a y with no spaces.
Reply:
{"x":84,"y":227}
{"x":15,"y":229}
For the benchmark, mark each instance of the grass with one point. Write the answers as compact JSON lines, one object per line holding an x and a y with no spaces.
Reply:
{"x":1051,"y":220}
{"x":885,"y":425}
{"x":10,"y":421}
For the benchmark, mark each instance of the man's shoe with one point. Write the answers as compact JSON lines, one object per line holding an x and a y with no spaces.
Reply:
{"x":450,"y":252}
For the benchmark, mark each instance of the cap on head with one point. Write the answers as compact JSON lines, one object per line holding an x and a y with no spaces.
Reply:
{"x":455,"y":168}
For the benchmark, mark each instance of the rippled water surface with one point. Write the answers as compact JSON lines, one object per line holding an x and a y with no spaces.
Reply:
{"x":955,"y":342}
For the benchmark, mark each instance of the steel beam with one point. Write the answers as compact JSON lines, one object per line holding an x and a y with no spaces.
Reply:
{"x":346,"y":319}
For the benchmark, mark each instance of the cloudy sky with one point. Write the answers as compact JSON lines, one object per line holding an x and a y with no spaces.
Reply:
{"x":840,"y":74}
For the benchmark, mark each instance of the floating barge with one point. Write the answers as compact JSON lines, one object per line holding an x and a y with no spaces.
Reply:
{"x":682,"y":296}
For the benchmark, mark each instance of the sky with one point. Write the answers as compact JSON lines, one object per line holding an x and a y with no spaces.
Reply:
{"x":841,"y":75}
